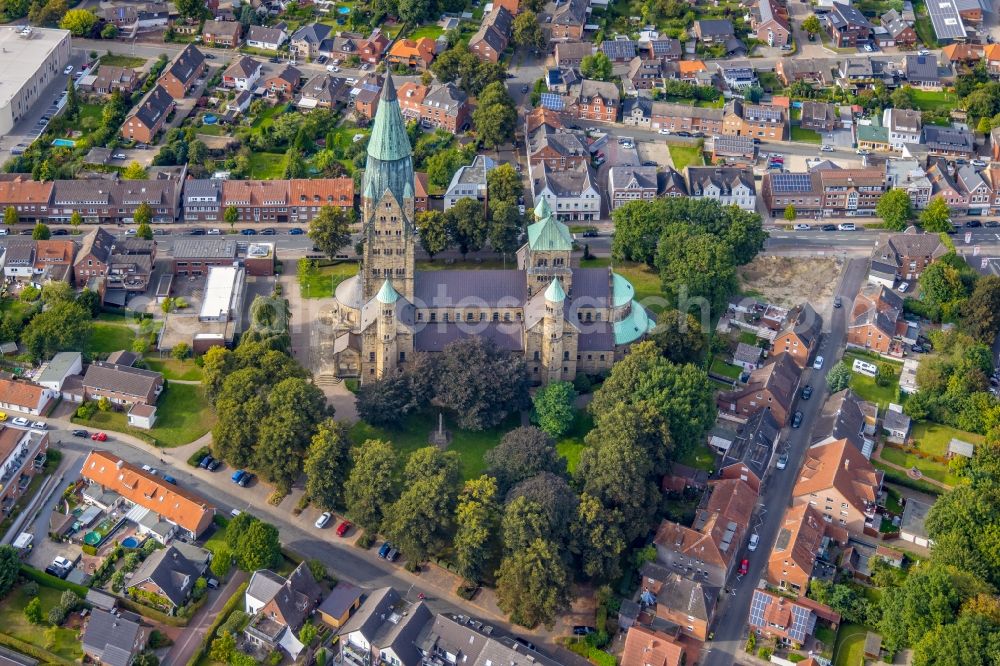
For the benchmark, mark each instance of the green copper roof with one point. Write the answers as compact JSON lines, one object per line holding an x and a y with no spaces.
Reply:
{"x":542,"y":209}
{"x":555,"y":292}
{"x":387,"y":294}
{"x":549,"y":234}
{"x":633,"y":327}
{"x":621,"y":290}
{"x":389,"y":141}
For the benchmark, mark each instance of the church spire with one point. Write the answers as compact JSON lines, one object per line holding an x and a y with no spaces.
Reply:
{"x":389,"y":140}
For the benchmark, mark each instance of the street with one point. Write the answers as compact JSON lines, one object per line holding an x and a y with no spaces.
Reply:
{"x":731,"y":618}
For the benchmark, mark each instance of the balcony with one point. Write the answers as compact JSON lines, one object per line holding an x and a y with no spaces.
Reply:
{"x":354,"y":655}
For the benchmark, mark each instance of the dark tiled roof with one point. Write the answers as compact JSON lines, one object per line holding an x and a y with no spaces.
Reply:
{"x":434,"y":337}
{"x":452,"y":288}
{"x":121,"y":379}
{"x":754,"y":444}
{"x":173,"y":573}
{"x":155,"y":107}
{"x":187,"y":64}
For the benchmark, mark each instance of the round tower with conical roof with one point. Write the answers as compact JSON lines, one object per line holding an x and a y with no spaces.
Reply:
{"x":387,"y":201}
{"x":554,"y":351}
{"x":385,"y":329}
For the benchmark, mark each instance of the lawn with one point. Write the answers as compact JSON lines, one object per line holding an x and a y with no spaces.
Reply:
{"x":866,"y":387}
{"x":724,"y":369}
{"x":344,"y":136}
{"x":414,"y":434}
{"x":429,"y":31}
{"x":173,"y":369}
{"x":267,"y":166}
{"x":933,"y":438}
{"x":107,"y":337}
{"x":211,"y":130}
{"x":266,"y":117}
{"x":217,"y":540}
{"x":749,"y":338}
{"x":67,"y":643}
{"x":699,"y":457}
{"x":850,"y":649}
{"x":923,"y":25}
{"x":571,"y":445}
{"x":930,"y":468}
{"x":122,"y":61}
{"x":934,"y":100}
{"x":320,"y":282}
{"x":182,"y":416}
{"x":683,"y":156}
{"x":805,"y":135}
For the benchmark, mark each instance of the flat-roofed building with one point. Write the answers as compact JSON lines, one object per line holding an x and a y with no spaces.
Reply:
{"x":194,"y":256}
{"x":30,"y":59}
{"x":224,"y":290}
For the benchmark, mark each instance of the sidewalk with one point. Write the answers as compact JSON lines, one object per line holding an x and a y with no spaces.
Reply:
{"x":193,"y":636}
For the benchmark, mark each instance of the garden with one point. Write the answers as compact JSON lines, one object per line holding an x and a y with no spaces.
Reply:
{"x":63,"y":643}
{"x":880,"y":391}
{"x":683,"y":155}
{"x":321,"y":281}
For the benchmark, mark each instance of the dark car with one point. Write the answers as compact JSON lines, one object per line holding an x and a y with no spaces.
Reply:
{"x":698,"y":135}
{"x":56,"y":571}
{"x":247,"y":478}
{"x":797,"y":420}
{"x":650,"y":163}
{"x":206,"y":461}
{"x":209,"y":56}
{"x":295,"y":231}
{"x":917,"y":349}
{"x":267,"y":231}
{"x":26,"y":232}
{"x":384,"y":549}
{"x":169,"y":479}
{"x":60,"y":232}
{"x":829,"y":227}
{"x":526,"y":643}
{"x":992,"y":224}
{"x":590,"y":233}
{"x":273,"y":59}
{"x":952,"y":230}
{"x":524,"y":89}
{"x":838,"y":302}
{"x":249,"y":232}
{"x":81,"y":433}
{"x":581,"y":630}
{"x":807,"y":392}
{"x":214,"y":465}
{"x":197,"y":231}
{"x":972,"y":224}
{"x":682,"y":133}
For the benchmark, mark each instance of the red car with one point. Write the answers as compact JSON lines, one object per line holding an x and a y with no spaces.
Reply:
{"x":744,"y":567}
{"x":99,"y":437}
{"x":343,"y":527}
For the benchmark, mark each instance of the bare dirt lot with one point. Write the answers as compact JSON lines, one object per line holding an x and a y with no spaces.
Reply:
{"x":789,"y":281}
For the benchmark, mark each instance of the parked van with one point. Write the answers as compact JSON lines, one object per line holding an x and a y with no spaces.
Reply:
{"x":864,"y":368}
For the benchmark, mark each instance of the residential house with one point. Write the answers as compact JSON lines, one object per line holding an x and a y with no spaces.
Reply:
{"x":876,"y":319}
{"x":688,"y":603}
{"x":122,"y":384}
{"x":469,"y":182}
{"x":800,"y":335}
{"x":284,"y":83}
{"x":803,"y":191}
{"x":571,"y":193}
{"x":965,"y":55}
{"x":991,"y":54}
{"x":112,"y":638}
{"x":324,"y":91}
{"x":556,"y":148}
{"x":908,"y":175}
{"x":810,"y":70}
{"x":709,"y":549}
{"x":848,"y":26}
{"x":846,"y":416}
{"x":115,"y":202}
{"x":912,"y":527}
{"x":904,"y":256}
{"x":775,"y":616}
{"x":243,"y":74}
{"x":450,"y":640}
{"x":493,"y":36}
{"x":840,"y":483}
{"x":108,"y":79}
{"x":221,"y":34}
{"x":367,"y":99}
{"x":673,"y":184}
{"x":858,"y":74}
{"x":900,"y":31}
{"x":202,"y":200}
{"x":818,"y":116}
{"x":738,"y":78}
{"x":415,"y":54}
{"x":25,"y":396}
{"x":773,"y":387}
{"x":747,"y":356}
{"x":411,"y":96}
{"x":681,"y":117}
{"x":121,"y":265}
{"x":56,"y":372}
{"x":644,"y":74}
{"x":851,"y":192}
{"x":30,"y":198}
{"x":335,"y":610}
{"x":146,"y":121}
{"x":279,"y":607}
{"x":308,"y":196}
{"x":896,"y":424}
{"x":944,"y":185}
{"x":691,"y":71}
{"x":769,"y":23}
{"x":265,"y":38}
{"x":714,"y":31}
{"x":19,"y":260}
{"x":734,"y":149}
{"x":921,"y":71}
{"x":637,"y":112}
{"x":257,"y":200}
{"x":975,"y":189}
{"x":184,"y":512}
{"x":53,"y":261}
{"x":647,"y":647}
{"x":305,"y":43}
{"x":571,"y":54}
{"x":663,"y":48}
{"x":620,"y":49}
{"x":183,"y":72}
{"x":904,"y":127}
{"x":748,"y":457}
{"x":631,"y":183}
{"x":168,"y":576}
{"x":727,"y":185}
{"x":595,"y":100}
{"x":420,"y":192}
{"x":872,"y":136}
{"x":754,"y":120}
{"x":384,"y":628}
{"x":799,"y":550}
{"x":568,"y":20}
{"x":352,"y":44}
{"x":949,"y":141}
{"x":445,"y":106}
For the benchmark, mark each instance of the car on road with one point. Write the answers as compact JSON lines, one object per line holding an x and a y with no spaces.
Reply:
{"x":238,"y":475}
{"x":838,"y":302}
{"x":343,"y":527}
{"x":526,"y":643}
{"x":826,"y":149}
{"x":803,"y":227}
{"x":992,"y":224}
{"x":99,"y":437}
{"x":829,"y":227}
{"x":323,"y":519}
{"x":978,"y":163}
{"x":68,"y":70}
{"x":169,"y":479}
{"x":209,"y":56}
{"x":846,"y":226}
{"x":119,"y":156}
{"x":797,"y":419}
{"x":664,"y":131}
{"x":818,"y":363}
{"x":321,"y":60}
{"x":591,"y":233}
{"x":295,"y":231}
{"x":524,"y":89}
{"x":249,"y":232}
{"x":20,"y":421}
{"x":807,"y":392}
{"x":744,"y":567}
{"x":754,"y":540}
{"x":39,"y":425}
{"x":583,"y":630}
{"x":973,"y":224}
{"x":267,"y":231}
{"x":213,"y":232}
{"x":332,"y":68}
{"x":63,"y":232}
{"x":384,"y":549}
{"x":80,"y":433}
{"x":683,"y":133}
{"x":782,"y":461}
{"x":196,"y":231}
{"x":365,"y":67}
{"x":131,"y":232}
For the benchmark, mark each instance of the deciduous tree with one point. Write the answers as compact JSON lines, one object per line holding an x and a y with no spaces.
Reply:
{"x":597,"y":540}
{"x":895,"y":209}
{"x":259,"y":547}
{"x":370,"y":485}
{"x":477,"y":519}
{"x":936,"y":217}
{"x":981,"y":312}
{"x":420,"y":521}
{"x":330,"y":230}
{"x":433,"y":226}
{"x":596,"y":66}
{"x":528,"y":30}
{"x":679,"y":337}
{"x":326,"y":465}
{"x":64,"y":326}
{"x":80,"y":22}
{"x":41,"y":232}
{"x":521,"y":454}
{"x":533,"y":584}
{"x":10,"y":216}
{"x":134,"y":171}
{"x":553,"y":408}
{"x":812,"y":25}
{"x":485,"y":384}
{"x":504,"y":184}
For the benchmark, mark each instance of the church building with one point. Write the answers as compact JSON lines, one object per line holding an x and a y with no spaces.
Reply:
{"x":562,"y":320}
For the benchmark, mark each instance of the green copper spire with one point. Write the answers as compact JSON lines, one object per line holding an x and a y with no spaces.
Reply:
{"x":549,"y":234}
{"x":555,"y":292}
{"x":387,"y":294}
{"x":390,"y":161}
{"x":542,"y":209}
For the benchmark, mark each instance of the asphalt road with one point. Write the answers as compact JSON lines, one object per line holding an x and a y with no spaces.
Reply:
{"x":731,"y":618}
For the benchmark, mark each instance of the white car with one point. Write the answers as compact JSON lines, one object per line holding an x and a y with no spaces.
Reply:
{"x":151,"y":470}
{"x":978,"y":163}
{"x":827,"y":149}
{"x":846,"y":226}
{"x":322,"y":520}
{"x":38,"y":425}
{"x":62,"y":563}
{"x":903,"y":287}
{"x":20,"y":421}
{"x":754,"y":540}
{"x":923,"y":52}
{"x":214,"y":232}
{"x":68,"y":70}
{"x":351,"y":80}
{"x":665,"y":131}
{"x":332,"y":68}
{"x":4,"y":231}
{"x":818,"y":363}
{"x":802,"y":227}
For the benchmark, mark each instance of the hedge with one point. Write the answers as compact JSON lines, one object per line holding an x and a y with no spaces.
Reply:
{"x":198,"y":455}
{"x":49,"y":580}
{"x":44,"y":656}
{"x":228,"y":608}
{"x":153,"y":614}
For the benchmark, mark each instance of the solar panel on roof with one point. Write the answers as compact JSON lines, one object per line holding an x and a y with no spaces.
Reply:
{"x":791,"y":182}
{"x":552,"y":101}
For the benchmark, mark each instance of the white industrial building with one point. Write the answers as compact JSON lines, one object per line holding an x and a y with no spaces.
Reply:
{"x":223,"y":300}
{"x":30,"y":59}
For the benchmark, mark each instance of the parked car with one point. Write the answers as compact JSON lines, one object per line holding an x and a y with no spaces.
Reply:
{"x":267,"y":231}
{"x":664,"y":130}
{"x":206,"y":461}
{"x":992,"y":224}
{"x":98,"y":436}
{"x":582,"y":630}
{"x":846,"y":226}
{"x":81,"y":433}
{"x":323,"y":519}
{"x":392,"y":555}
{"x":119,"y":156}
{"x":818,"y":363}
{"x":590,"y":233}
{"x":212,"y":584}
{"x":214,"y":232}
{"x":249,"y":232}
{"x":754,"y":540}
{"x":332,"y":68}
{"x":524,"y":89}
{"x":827,"y":149}
{"x":151,"y":470}
{"x":683,"y":133}
{"x":782,"y":461}
{"x":68,"y":70}
{"x":973,"y":224}
{"x":744,"y":567}
{"x":56,"y":571}
{"x":214,"y":465}
{"x":169,"y":479}
{"x":384,"y":549}
{"x":903,"y":287}
{"x":802,"y":227}
{"x":917,"y":349}
{"x":526,"y":643}
{"x":197,"y":231}
{"x":838,"y":302}
{"x":238,"y":475}
{"x":62,"y":563}
{"x":829,"y":227}
{"x":343,"y":527}
{"x":65,"y":232}
{"x":39,"y":425}
{"x":797,"y":419}
{"x":295,"y":231}
{"x":247,"y":478}
{"x":807,"y":392}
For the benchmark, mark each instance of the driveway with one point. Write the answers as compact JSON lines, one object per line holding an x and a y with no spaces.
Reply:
{"x":731,"y":619}
{"x":191,"y":639}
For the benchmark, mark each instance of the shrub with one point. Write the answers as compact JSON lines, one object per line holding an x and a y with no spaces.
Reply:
{"x":765,"y":653}
{"x":87,"y":410}
{"x":317,"y":569}
{"x":57,"y":614}
{"x":235,"y":623}
{"x":751,"y":643}
{"x":158,"y":639}
{"x":222,"y":561}
{"x":365,"y":541}
{"x":33,"y":611}
{"x":30,"y":589}
{"x":198,"y":455}
{"x":70,"y":600}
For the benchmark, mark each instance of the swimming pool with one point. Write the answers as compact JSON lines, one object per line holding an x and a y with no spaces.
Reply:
{"x":210,"y":119}
{"x":343,"y":10}
{"x":130,"y":542}
{"x":64,"y":143}
{"x":92,"y":538}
